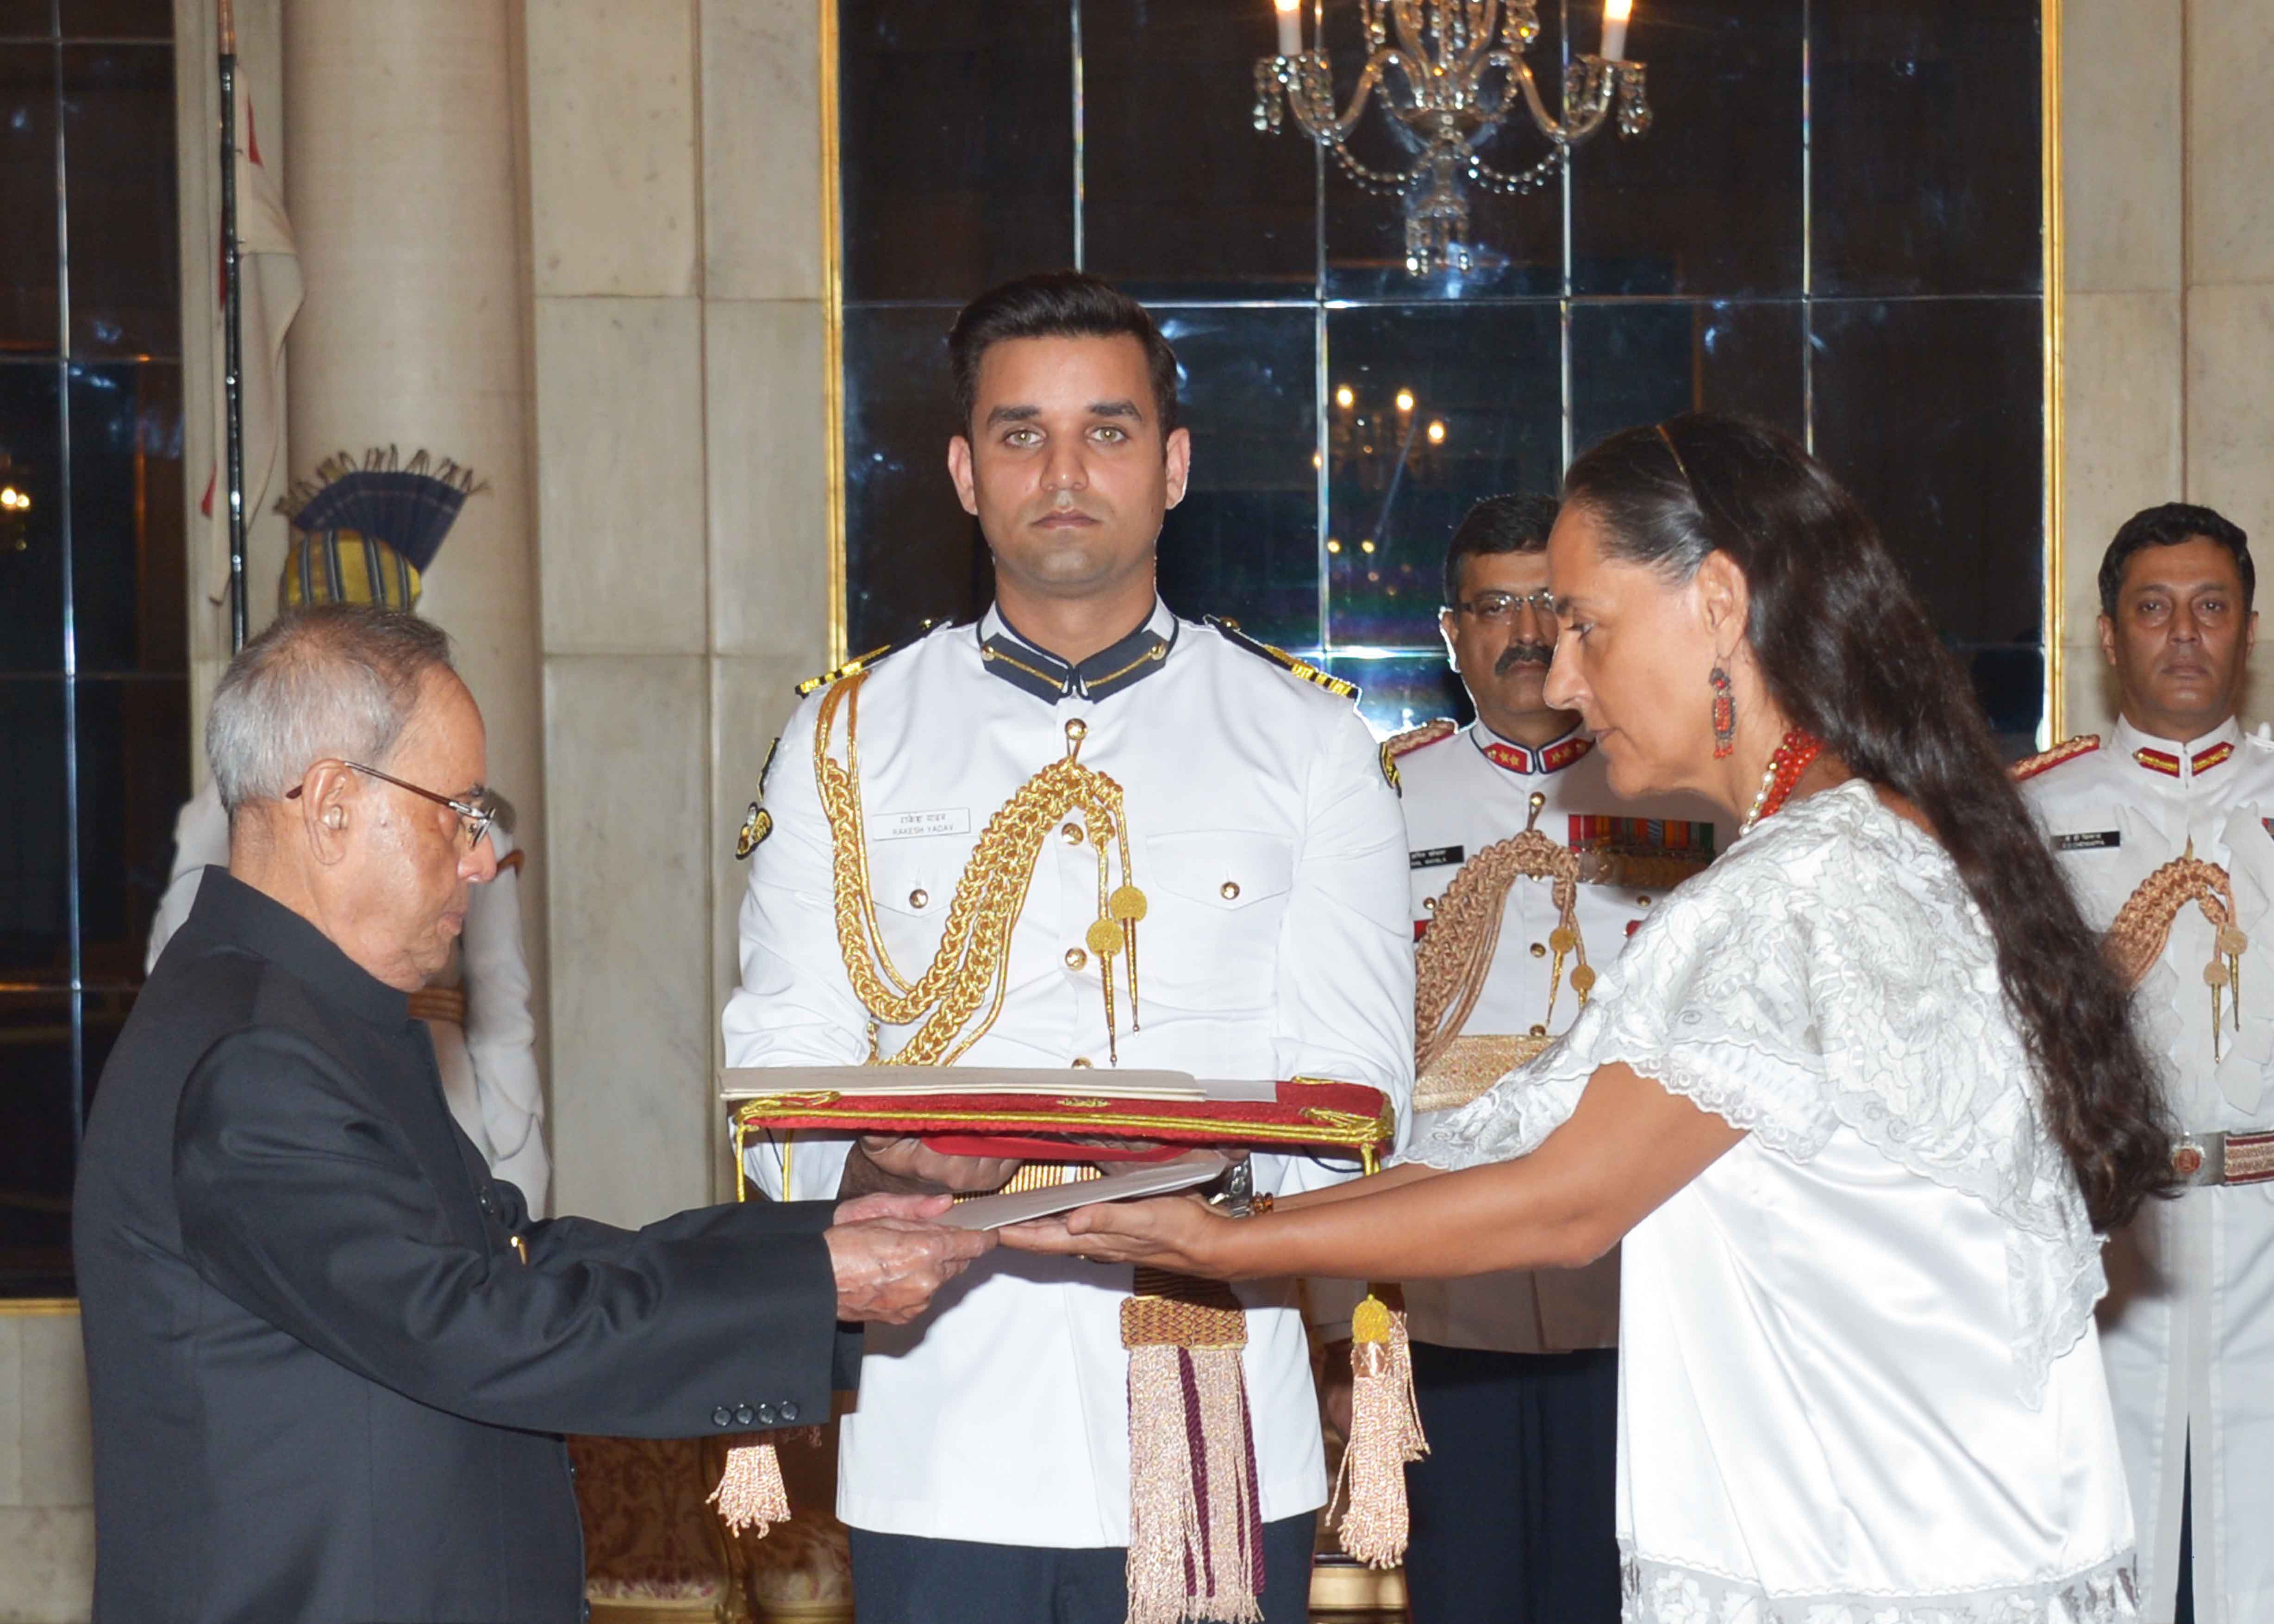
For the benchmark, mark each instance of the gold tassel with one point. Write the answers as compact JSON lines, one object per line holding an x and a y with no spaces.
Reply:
{"x":1195,"y":1517}
{"x":751,"y":1493}
{"x":1385,"y":1433}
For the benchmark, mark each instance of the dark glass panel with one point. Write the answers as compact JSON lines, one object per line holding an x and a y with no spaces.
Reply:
{"x":1491,"y":375}
{"x":118,"y":19}
{"x":1925,"y":146}
{"x":1928,"y":410}
{"x":957,"y":144}
{"x":28,"y":319}
{"x":126,"y":257}
{"x":1184,"y":197}
{"x":127,"y":541}
{"x":2010,"y":682}
{"x":1643,"y":363}
{"x":36,"y":1148}
{"x":34,"y":858}
{"x":1518,"y":240}
{"x":31,"y":540}
{"x":1708,"y":201}
{"x":912,"y":553}
{"x":133,"y":776}
{"x":27,"y":18}
{"x":1398,"y":691}
{"x":1245,"y":541}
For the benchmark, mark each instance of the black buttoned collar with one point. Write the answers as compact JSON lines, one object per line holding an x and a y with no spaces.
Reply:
{"x":1035,"y":670}
{"x":230,"y":914}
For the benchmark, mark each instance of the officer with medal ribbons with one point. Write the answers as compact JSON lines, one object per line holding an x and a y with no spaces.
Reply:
{"x":1088,"y":832}
{"x":1517,"y":1375}
{"x":2166,"y":828}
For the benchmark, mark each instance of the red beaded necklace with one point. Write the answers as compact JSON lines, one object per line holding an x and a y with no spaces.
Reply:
{"x":1791,"y":758}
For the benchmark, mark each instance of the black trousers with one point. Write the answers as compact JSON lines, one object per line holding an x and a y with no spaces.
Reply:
{"x":1513,"y":1509}
{"x":901,"y":1579}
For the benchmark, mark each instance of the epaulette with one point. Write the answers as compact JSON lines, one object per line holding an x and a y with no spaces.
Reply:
{"x":1414,"y":737}
{"x":853,"y":667}
{"x":2067,"y":750}
{"x":1338,"y":686}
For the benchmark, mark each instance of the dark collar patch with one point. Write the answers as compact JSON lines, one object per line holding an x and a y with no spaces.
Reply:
{"x":1109,"y":671}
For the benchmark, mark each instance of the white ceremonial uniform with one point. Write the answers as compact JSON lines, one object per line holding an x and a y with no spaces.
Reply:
{"x":1270,"y":848}
{"x":1462,"y":794}
{"x":2188,"y":1328}
{"x":488,"y":1066}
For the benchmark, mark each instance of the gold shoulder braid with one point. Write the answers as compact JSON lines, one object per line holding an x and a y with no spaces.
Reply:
{"x":1455,"y":956}
{"x":972,"y":964}
{"x":2142,"y":929}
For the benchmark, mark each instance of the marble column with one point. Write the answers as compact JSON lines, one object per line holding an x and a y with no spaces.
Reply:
{"x":405,"y":191}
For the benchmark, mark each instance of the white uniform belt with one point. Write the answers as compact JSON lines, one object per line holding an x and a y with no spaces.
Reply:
{"x":2223,"y":1158}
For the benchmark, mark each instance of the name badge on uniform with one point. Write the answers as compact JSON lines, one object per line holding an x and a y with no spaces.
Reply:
{"x":2097,"y":840}
{"x":1438,"y":856}
{"x":915,"y":826}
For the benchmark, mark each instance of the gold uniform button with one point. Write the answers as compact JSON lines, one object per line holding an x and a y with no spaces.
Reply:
{"x":1231,"y":892}
{"x":1075,"y":958}
{"x":1642,"y":902}
{"x":1081,"y":1060}
{"x":1429,"y":904}
{"x":1071,"y":834}
{"x":918,"y":898}
{"x":1539,"y":950}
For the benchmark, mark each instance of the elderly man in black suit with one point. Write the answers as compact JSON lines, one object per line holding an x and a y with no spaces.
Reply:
{"x":329,"y":1356}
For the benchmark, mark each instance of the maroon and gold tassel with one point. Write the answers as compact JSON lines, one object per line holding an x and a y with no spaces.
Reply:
{"x":1195,"y":1511}
{"x":1385,"y":1433}
{"x":751,"y":1493}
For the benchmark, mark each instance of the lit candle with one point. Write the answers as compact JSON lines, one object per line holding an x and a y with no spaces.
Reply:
{"x":1615,"y":13}
{"x":1291,"y":26}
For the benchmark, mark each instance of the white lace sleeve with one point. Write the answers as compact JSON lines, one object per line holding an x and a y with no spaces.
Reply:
{"x":1830,"y":971}
{"x":1710,"y":999}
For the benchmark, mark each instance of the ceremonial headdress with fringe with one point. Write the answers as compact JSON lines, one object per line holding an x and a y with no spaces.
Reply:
{"x":365,"y":532}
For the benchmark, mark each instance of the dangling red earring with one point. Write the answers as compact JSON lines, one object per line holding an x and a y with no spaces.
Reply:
{"x":1725,"y":715}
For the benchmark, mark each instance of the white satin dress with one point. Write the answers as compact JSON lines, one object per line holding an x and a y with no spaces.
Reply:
{"x":1859,"y":1381}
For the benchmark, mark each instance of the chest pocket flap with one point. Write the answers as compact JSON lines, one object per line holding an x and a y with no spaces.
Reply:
{"x":1230,"y":870}
{"x":913,"y":880}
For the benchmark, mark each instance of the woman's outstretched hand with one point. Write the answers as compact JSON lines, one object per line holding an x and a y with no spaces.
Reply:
{"x":1179,"y":1232}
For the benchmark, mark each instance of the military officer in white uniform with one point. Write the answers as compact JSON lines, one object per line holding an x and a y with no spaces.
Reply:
{"x":1517,"y":1373}
{"x":985,"y":1474}
{"x":2187,"y":1327}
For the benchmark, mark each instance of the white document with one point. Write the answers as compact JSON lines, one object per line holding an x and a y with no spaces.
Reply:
{"x":755,"y":1082}
{"x":992,"y":1212}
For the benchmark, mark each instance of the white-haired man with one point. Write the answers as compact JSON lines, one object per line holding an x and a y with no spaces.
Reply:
{"x":319,"y":1334}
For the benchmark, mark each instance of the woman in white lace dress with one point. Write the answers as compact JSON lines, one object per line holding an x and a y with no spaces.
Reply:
{"x":1857,"y":1098}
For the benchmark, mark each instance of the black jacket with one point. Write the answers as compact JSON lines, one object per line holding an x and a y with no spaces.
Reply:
{"x":326,"y":1388}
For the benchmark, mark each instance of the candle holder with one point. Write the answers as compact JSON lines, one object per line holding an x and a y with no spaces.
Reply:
{"x":1454,"y":75}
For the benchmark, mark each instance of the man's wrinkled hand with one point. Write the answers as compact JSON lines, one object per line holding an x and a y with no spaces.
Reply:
{"x":887,"y":1268}
{"x":890,"y":1204}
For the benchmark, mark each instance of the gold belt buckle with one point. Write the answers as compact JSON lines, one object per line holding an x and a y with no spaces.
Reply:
{"x":2200,"y":1159}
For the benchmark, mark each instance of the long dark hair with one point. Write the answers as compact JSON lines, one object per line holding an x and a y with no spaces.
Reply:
{"x":1848,"y":653}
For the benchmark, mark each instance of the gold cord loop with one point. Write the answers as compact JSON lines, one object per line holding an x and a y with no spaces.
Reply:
{"x":971,"y":967}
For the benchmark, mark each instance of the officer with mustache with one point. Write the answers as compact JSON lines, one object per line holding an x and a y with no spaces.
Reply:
{"x":2186,"y":1329}
{"x":1517,"y":1373}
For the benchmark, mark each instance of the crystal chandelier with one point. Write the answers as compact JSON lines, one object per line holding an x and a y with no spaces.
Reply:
{"x":1459,"y":72}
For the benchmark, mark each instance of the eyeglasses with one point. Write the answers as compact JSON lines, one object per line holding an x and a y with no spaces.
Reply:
{"x":1493,"y":607}
{"x":475,"y":817}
